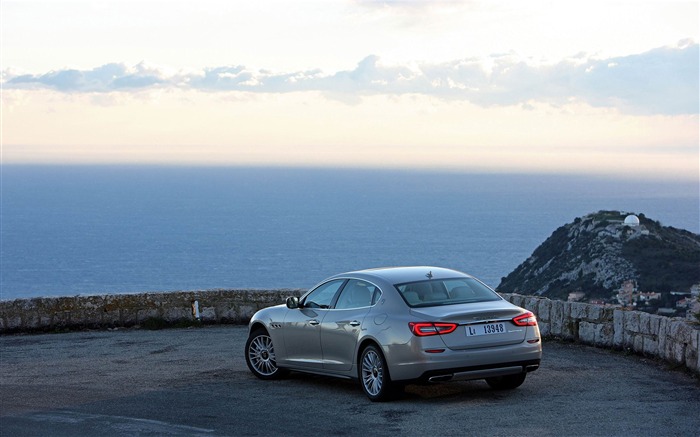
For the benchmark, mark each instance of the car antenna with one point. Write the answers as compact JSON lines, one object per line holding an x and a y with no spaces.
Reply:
{"x":430,"y":275}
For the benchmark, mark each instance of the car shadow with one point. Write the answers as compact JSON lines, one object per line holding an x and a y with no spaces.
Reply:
{"x":476,"y":391}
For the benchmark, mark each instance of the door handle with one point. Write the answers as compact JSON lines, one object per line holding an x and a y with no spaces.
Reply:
{"x":354,"y":323}
{"x":313,"y":322}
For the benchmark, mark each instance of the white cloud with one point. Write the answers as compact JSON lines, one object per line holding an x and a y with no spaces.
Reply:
{"x":660,"y":81}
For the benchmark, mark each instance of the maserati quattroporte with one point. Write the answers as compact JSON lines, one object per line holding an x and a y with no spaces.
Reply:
{"x":389,"y":327}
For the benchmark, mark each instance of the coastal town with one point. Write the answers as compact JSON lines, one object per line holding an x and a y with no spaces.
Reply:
{"x":674,"y":304}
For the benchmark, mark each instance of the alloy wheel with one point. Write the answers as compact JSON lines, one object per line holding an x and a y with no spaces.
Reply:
{"x":261,"y":355}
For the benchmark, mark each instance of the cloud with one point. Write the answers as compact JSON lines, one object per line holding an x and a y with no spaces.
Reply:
{"x":663,"y":80}
{"x":660,"y":81}
{"x":107,"y":78}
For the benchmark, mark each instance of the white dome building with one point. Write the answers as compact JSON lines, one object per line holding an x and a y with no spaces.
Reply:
{"x":632,"y":220}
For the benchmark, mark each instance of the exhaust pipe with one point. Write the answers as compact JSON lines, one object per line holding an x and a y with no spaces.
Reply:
{"x":441,"y":378}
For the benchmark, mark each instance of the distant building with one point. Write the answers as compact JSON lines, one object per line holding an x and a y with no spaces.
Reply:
{"x":576,"y":296}
{"x":694,"y":304}
{"x":669,"y":312}
{"x":646,"y":297}
{"x":627,"y":293}
{"x":695,"y":290}
{"x":683,"y":303}
{"x":693,"y":312}
{"x":632,"y":220}
{"x":629,"y":286}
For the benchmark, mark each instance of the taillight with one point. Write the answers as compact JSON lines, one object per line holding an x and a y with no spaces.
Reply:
{"x":525,"y":319}
{"x":423,"y":329}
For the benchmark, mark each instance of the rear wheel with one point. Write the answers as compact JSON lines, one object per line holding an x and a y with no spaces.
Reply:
{"x":374,"y":375}
{"x":507,"y":382}
{"x":260,"y":356}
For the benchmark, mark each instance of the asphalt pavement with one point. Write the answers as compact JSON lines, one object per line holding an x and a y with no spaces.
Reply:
{"x":194,"y":382}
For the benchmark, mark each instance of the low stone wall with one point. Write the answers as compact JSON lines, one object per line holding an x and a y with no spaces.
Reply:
{"x":672,"y":339}
{"x":124,"y":310}
{"x":675,"y":340}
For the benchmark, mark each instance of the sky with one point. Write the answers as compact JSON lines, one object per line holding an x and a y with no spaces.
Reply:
{"x":577,"y":87}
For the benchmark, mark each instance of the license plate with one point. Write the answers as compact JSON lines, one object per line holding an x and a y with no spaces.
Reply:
{"x":486,"y":329}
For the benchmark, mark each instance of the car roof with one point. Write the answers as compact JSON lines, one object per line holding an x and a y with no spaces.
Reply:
{"x":397,"y":275}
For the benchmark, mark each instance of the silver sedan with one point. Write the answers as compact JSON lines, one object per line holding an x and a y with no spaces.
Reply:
{"x":392,"y":326}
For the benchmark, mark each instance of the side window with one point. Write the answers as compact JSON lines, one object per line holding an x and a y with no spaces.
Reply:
{"x":356,"y":294}
{"x":377,"y":295}
{"x":322,"y":296}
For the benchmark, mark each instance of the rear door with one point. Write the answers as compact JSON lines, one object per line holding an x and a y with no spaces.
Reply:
{"x":342,"y":325}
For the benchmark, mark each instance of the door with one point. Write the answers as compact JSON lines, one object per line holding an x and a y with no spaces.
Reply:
{"x":341,"y":327}
{"x":302,"y":326}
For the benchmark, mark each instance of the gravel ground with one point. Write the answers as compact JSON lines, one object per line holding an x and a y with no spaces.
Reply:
{"x":184,"y":382}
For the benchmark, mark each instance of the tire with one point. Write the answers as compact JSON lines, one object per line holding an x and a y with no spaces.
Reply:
{"x":260,"y":356}
{"x":374,"y":375}
{"x":508,"y":382}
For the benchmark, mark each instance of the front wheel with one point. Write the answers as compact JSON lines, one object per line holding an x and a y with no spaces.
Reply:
{"x":507,"y":382}
{"x":260,"y":356}
{"x":374,"y":375}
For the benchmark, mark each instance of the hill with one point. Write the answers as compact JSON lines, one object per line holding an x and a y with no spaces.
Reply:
{"x":597,"y":253}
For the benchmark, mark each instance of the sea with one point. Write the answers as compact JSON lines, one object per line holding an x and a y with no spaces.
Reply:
{"x":83,"y":230}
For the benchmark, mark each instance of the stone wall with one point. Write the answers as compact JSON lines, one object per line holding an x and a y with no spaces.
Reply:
{"x":124,"y":310}
{"x":675,"y":340}
{"x":672,"y":339}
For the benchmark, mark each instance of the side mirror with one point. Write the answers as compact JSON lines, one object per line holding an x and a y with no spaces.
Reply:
{"x":292,"y":302}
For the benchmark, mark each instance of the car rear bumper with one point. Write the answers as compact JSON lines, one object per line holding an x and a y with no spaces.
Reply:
{"x":463,"y":364}
{"x":480,"y":372}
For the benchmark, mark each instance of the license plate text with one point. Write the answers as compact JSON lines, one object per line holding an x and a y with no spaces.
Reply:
{"x":486,"y":329}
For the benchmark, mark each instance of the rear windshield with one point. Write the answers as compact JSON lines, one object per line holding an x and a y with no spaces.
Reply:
{"x":445,"y":292}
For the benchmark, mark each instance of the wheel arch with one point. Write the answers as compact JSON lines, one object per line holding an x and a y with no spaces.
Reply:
{"x":367,"y":341}
{"x":257,"y":324}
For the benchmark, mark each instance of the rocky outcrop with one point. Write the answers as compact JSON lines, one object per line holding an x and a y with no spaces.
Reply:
{"x":598,"y":252}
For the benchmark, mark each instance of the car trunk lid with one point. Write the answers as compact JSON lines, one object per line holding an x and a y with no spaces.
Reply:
{"x":485,"y":324}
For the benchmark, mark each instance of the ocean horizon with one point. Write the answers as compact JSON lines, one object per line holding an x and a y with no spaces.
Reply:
{"x":87,"y":229}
